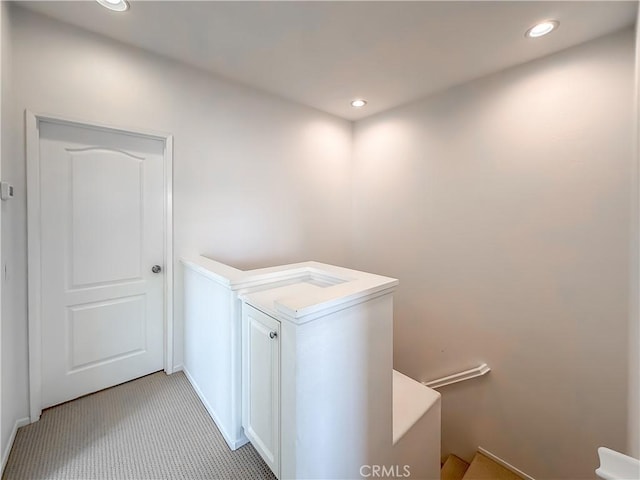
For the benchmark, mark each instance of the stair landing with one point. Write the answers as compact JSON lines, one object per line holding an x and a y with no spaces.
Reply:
{"x":481,"y":468}
{"x":454,"y":468}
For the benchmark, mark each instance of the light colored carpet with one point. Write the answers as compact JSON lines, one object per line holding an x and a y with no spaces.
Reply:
{"x":152,"y":428}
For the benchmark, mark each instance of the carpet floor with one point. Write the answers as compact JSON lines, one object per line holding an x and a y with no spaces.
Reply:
{"x":152,"y":428}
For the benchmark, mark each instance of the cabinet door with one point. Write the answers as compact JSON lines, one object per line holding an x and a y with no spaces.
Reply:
{"x":261,"y":355}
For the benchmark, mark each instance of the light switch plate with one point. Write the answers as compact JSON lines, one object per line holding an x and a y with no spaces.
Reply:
{"x":6,"y":190}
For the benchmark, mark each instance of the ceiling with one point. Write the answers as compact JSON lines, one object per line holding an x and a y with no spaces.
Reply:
{"x":323,"y":54}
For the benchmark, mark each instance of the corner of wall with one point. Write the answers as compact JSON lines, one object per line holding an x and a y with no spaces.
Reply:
{"x":633,"y":433}
{"x":2,"y":46}
{"x":13,"y":409}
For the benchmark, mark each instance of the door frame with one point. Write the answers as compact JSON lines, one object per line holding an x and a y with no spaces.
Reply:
{"x":34,"y":239}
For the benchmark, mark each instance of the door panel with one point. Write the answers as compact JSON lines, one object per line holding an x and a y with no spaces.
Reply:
{"x":102,"y":229}
{"x":262,"y":385}
{"x":95,"y":331}
{"x":106,"y":216}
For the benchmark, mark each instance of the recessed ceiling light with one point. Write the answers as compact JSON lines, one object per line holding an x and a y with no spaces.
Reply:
{"x":116,"y":5}
{"x":542,"y":28}
{"x":358,"y":103}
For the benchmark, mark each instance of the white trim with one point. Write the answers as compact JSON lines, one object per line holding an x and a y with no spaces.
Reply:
{"x":21,"y":422}
{"x":66,"y":120}
{"x":33,"y":266}
{"x":32,"y":121}
{"x":168,"y":254}
{"x":233,"y":444}
{"x":505,"y":464}
{"x":459,"y":377}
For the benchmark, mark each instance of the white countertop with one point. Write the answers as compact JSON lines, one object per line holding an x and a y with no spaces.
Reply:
{"x":298,"y":292}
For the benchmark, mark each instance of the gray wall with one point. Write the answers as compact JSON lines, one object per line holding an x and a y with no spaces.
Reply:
{"x":503,"y":206}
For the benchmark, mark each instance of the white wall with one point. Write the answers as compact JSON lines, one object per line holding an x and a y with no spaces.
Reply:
{"x":257,"y":180}
{"x":14,"y":355}
{"x":503,"y":207}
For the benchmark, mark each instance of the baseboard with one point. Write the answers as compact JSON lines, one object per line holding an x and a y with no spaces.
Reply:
{"x":178,"y":368}
{"x":505,"y":464}
{"x":21,"y":422}
{"x":234,"y":444}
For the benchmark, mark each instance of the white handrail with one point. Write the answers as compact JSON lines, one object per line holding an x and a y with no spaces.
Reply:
{"x":616,"y":466}
{"x":459,"y":377}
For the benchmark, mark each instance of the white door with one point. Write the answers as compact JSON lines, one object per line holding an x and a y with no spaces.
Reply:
{"x":261,"y":355}
{"x":101,"y":232}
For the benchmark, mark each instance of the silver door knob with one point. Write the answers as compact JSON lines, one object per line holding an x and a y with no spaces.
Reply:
{"x":273,"y":334}
{"x":156,"y":269}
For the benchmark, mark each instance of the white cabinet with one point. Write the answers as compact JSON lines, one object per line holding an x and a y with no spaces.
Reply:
{"x":261,"y":395}
{"x":318,"y":395}
{"x":298,"y":358}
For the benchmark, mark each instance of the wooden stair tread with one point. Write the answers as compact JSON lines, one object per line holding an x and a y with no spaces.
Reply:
{"x":453,"y":468}
{"x":483,"y":468}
